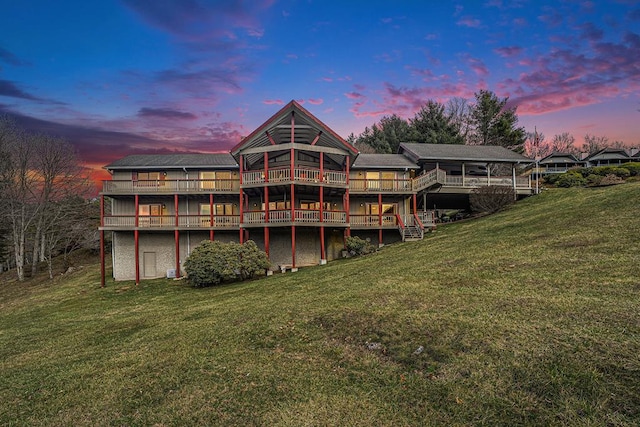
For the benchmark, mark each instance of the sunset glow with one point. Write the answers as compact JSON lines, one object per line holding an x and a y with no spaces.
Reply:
{"x":135,"y":76}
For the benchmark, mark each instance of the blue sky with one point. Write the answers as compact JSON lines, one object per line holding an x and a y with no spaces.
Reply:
{"x":146,"y":76}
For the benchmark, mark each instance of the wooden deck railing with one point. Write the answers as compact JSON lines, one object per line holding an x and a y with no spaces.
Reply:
{"x":171,"y":186}
{"x":311,"y":176}
{"x":169,"y":221}
{"x":300,"y":175}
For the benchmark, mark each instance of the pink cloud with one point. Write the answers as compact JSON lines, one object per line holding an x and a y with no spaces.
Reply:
{"x":316,"y":101}
{"x":508,"y":51}
{"x":467,"y":21}
{"x":273,"y":102}
{"x":354,"y":95}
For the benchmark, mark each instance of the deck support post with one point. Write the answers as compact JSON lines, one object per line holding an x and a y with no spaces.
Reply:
{"x":137,"y":254}
{"x":293,"y":246}
{"x":102,"y":266}
{"x":379,"y":219}
{"x":211,"y":217}
{"x":346,"y":199}
{"x":136,"y":237}
{"x":177,"y":236}
{"x":177,"y":241}
{"x":241,"y":207}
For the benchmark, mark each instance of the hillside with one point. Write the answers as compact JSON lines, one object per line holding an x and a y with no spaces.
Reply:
{"x":526,"y":317}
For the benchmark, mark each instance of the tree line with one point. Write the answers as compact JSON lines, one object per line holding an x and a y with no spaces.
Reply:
{"x":44,"y":210}
{"x":485,"y":120}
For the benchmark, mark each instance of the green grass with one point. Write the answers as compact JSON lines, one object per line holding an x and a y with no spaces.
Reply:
{"x":526,"y":317}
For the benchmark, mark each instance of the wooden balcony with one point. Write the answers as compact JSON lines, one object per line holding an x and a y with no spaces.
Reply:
{"x":375,"y":186}
{"x":171,"y":186}
{"x":302,"y":217}
{"x":430,"y":179}
{"x":300,"y":176}
{"x":168,"y":222}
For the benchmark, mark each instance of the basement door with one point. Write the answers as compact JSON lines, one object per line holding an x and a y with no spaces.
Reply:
{"x":149,"y":264}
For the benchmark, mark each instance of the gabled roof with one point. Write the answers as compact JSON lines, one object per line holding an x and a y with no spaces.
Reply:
{"x":608,"y":154}
{"x":560,"y":158}
{"x":306,"y":128}
{"x":383,"y":161}
{"x":458,"y":152}
{"x":175,"y":161}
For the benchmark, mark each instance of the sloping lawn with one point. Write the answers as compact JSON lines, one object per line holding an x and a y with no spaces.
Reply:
{"x":527,"y":317}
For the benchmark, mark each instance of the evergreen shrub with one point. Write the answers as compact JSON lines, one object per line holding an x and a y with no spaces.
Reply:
{"x":212,"y":263}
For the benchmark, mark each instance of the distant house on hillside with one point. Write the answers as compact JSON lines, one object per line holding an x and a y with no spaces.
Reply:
{"x":293,"y":186}
{"x":608,"y":156}
{"x":558,"y":163}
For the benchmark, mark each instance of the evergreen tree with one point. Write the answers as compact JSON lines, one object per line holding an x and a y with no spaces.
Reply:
{"x":432,"y":125}
{"x":494,"y":123}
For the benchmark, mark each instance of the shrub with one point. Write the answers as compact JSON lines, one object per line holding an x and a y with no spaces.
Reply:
{"x":594,"y":180}
{"x":552,"y":178}
{"x":571,"y":179}
{"x":491,"y":198}
{"x":211,"y":263}
{"x":358,"y":246}
{"x":632,"y":167}
{"x":612,"y":170}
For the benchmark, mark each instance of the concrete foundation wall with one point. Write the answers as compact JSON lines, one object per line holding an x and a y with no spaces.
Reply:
{"x":159,"y":247}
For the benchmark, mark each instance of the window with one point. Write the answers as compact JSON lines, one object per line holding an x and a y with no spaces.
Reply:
{"x":223,"y":209}
{"x":314,"y":205}
{"x":150,"y":215}
{"x":149,"y":179}
{"x":215,"y":179}
{"x":150,"y":210}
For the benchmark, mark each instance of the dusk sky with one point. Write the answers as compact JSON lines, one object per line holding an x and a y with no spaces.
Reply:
{"x":148,"y":76}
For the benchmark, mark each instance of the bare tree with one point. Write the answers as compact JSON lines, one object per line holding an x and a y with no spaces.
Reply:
{"x":18,"y":181}
{"x":535,"y":145}
{"x":459,"y":111}
{"x":564,"y":143}
{"x":59,"y":176}
{"x":35,"y":172}
{"x":593,"y":143}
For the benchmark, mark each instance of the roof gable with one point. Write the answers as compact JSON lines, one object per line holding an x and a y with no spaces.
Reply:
{"x":295,"y":124}
{"x":609,"y":153}
{"x":559,"y":158}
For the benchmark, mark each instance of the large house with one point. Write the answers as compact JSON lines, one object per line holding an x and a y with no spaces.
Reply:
{"x":293,"y":186}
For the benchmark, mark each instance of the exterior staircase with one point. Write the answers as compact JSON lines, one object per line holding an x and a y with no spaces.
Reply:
{"x":411,"y":229}
{"x":412,"y":233}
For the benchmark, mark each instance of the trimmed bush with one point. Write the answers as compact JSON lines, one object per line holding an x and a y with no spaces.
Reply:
{"x":211,"y":263}
{"x":594,"y":180}
{"x":612,"y":170}
{"x":358,"y":246}
{"x":632,"y":167}
{"x":491,"y":198}
{"x":571,"y":179}
{"x":551,"y":179}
